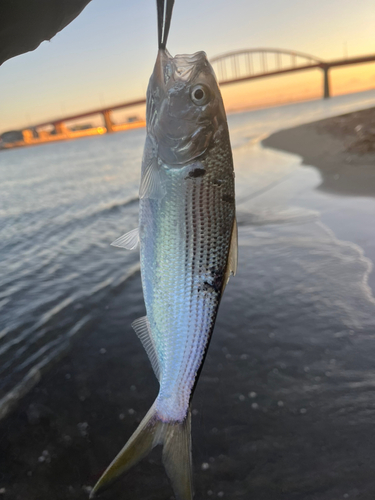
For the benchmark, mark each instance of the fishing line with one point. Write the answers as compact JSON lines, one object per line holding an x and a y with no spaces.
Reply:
{"x":164,"y":9}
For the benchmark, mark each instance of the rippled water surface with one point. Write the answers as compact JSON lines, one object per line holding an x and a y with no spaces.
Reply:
{"x":62,"y":204}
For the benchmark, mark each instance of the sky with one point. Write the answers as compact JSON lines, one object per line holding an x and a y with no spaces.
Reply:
{"x":106,"y":55}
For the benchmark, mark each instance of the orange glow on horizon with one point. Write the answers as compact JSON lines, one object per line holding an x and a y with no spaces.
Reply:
{"x":294,"y":87}
{"x":255,"y":94}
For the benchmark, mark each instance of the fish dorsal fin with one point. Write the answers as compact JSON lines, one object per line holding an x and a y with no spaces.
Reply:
{"x":128,"y":240}
{"x":152,"y":182}
{"x":142,"y":328}
{"x":231,"y":269}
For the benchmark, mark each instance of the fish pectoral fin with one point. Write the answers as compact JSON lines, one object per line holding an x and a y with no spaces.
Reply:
{"x":176,"y":440}
{"x":128,"y":240}
{"x":231,"y":269}
{"x":142,"y":328}
{"x":152,"y":182}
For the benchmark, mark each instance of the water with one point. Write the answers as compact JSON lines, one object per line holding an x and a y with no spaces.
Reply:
{"x":62,"y":204}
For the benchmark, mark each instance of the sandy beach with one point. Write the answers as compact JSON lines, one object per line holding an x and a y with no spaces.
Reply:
{"x":285,"y":406}
{"x":342,"y":148}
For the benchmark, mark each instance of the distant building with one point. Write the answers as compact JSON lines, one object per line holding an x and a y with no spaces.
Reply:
{"x":8,"y":138}
{"x":83,"y":126}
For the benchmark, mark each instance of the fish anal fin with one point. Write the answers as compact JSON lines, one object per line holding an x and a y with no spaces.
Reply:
{"x":152,"y":182}
{"x":142,"y":328}
{"x":128,"y":240}
{"x":231,"y":269}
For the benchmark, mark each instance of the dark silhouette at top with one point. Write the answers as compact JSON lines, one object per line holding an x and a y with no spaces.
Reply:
{"x":25,"y":24}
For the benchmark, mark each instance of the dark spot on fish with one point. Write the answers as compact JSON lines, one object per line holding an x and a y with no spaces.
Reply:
{"x":197,"y":172}
{"x":217,"y":182}
{"x":216,"y":282}
{"x":228,"y":198}
{"x":207,"y":287}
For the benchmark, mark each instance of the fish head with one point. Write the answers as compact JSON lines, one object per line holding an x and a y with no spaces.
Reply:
{"x":184,"y":107}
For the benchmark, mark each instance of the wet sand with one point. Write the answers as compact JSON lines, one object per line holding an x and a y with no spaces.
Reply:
{"x":285,"y":405}
{"x":342,"y":148}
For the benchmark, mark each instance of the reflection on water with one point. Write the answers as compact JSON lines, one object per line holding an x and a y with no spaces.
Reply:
{"x":62,"y":204}
{"x":292,"y":406}
{"x":60,"y":207}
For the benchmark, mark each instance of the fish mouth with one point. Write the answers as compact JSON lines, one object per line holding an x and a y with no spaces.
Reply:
{"x":180,"y":68}
{"x":185,"y":64}
{"x":161,"y":69}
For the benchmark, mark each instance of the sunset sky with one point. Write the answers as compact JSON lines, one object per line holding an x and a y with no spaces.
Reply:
{"x":106,"y":55}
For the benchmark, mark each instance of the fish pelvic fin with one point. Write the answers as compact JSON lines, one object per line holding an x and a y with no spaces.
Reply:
{"x":175,"y":437}
{"x":128,"y":240}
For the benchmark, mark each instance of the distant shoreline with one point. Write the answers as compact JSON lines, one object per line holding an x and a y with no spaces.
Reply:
{"x":68,"y":135}
{"x":342,"y":148}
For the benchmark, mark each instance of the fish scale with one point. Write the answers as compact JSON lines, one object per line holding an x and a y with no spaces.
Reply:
{"x":175,"y":270}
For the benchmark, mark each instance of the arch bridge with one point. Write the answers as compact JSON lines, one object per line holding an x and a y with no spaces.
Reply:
{"x":232,"y":67}
{"x":249,"y":64}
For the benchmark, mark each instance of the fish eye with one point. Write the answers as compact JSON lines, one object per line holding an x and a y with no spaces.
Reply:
{"x":200,"y":95}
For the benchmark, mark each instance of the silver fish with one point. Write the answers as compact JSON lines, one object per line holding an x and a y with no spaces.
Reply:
{"x":188,"y":250}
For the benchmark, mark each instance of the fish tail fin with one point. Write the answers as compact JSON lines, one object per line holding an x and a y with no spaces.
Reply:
{"x":177,"y":457}
{"x":176,"y":440}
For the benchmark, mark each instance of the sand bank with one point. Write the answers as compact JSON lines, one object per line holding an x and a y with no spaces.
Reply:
{"x":342,"y":148}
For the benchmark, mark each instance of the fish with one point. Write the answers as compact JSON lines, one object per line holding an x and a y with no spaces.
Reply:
{"x":188,"y":248}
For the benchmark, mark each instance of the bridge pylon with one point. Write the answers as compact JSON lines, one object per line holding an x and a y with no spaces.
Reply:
{"x":326,"y":83}
{"x":108,"y":121}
